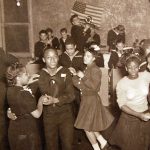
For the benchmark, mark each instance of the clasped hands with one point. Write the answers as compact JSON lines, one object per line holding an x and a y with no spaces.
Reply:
{"x":49,"y":100}
{"x":145,"y":116}
{"x":79,"y":73}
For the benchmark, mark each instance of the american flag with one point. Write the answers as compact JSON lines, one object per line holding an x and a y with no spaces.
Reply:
{"x":84,"y":10}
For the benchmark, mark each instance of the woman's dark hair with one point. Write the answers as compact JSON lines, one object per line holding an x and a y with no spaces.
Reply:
{"x":92,"y":51}
{"x":133,"y":58}
{"x":12,"y":72}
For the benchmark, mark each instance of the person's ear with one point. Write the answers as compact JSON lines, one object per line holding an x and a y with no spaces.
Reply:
{"x":75,"y":46}
{"x":17,"y":78}
{"x":94,"y":59}
{"x":43,"y":60}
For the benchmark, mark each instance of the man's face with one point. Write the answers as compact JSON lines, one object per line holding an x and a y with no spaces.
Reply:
{"x":76,"y":21}
{"x":70,"y":49}
{"x":64,"y":34}
{"x":120,"y":46}
{"x":43,"y":36}
{"x":51,"y":59}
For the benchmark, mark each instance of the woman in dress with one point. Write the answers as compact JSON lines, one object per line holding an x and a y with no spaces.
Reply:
{"x":23,"y":132}
{"x":5,"y":59}
{"x":93,"y":116}
{"x":133,"y":128}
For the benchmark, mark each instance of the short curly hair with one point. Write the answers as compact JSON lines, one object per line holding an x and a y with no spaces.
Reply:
{"x":92,"y":51}
{"x":12,"y":72}
{"x":72,"y":17}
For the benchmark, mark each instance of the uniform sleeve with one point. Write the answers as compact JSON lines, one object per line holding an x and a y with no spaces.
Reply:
{"x":122,"y":37}
{"x":80,"y":64}
{"x":36,"y":50}
{"x":121,"y":94}
{"x":35,"y":90}
{"x":109,"y":38}
{"x":112,"y":63}
{"x":42,"y":83}
{"x":100,"y":60}
{"x":68,"y":94}
{"x":95,"y":81}
{"x":56,"y":43}
{"x":97,"y":39}
{"x":77,"y":83}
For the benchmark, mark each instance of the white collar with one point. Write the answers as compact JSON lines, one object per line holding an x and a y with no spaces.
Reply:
{"x":115,"y":32}
{"x":71,"y":57}
{"x":46,"y":70}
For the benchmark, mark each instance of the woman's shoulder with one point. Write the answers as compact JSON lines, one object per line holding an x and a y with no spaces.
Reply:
{"x":144,"y":75}
{"x":14,"y":91}
{"x":14,"y":88}
{"x":123,"y":81}
{"x":95,"y":69}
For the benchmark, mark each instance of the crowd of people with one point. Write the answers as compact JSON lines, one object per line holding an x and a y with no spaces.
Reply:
{"x":64,"y":94}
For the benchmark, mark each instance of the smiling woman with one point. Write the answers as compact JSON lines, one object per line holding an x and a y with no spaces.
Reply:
{"x":23,"y":104}
{"x":93,"y":117}
{"x":132,"y":100}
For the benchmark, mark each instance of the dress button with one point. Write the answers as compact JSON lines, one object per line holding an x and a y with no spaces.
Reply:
{"x":79,"y":82}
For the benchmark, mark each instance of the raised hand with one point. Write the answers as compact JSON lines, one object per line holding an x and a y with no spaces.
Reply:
{"x":80,"y":74}
{"x":72,"y":70}
{"x":47,"y":100}
{"x":33,"y":78}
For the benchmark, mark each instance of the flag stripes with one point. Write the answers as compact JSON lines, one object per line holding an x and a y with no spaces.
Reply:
{"x":83,"y":10}
{"x":83,"y":16}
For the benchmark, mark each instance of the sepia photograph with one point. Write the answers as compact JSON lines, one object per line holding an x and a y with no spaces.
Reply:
{"x":74,"y":75}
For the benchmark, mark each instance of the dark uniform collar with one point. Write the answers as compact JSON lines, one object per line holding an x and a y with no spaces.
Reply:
{"x":76,"y":52}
